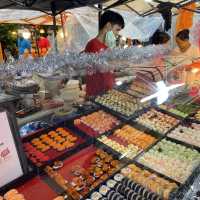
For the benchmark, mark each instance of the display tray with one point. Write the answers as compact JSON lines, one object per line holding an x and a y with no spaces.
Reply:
{"x":91,"y":131}
{"x":180,"y":163}
{"x":190,"y":190}
{"x":39,"y":158}
{"x":183,"y":134}
{"x":158,"y":121}
{"x":83,"y":160}
{"x":33,"y":187}
{"x":119,"y":114}
{"x":143,"y":176}
{"x":179,"y":110}
{"x":36,"y":189}
{"x":26,"y":112}
{"x":120,"y":140}
{"x":195,"y":117}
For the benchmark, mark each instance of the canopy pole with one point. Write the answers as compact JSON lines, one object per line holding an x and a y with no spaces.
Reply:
{"x":53,"y":9}
{"x":100,"y":6}
{"x":62,"y":16}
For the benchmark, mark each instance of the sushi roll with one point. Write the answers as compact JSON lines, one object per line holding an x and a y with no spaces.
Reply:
{"x":126,"y":190}
{"x":133,"y":196}
{"x":130,"y":194}
{"x":138,"y":198}
{"x":110,"y":194}
{"x":118,"y":187}
{"x":111,"y":183}
{"x":133,"y":185}
{"x":146,"y":193}
{"x":116,"y":196}
{"x":96,"y":196}
{"x":104,"y":190}
{"x":125,"y":181}
{"x":137,"y":188}
{"x":118,"y":177}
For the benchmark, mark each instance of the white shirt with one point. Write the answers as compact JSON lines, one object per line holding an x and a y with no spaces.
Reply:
{"x":184,"y":58}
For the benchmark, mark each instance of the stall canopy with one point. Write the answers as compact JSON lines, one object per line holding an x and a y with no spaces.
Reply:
{"x":140,"y":7}
{"x":17,"y":16}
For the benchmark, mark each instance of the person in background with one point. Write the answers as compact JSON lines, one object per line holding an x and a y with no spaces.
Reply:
{"x":136,"y":42}
{"x":185,"y":53}
{"x":43,"y":44}
{"x":160,"y":38}
{"x":109,"y":26}
{"x":23,"y":44}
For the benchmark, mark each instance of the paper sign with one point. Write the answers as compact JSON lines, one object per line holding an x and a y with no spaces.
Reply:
{"x":10,"y":166}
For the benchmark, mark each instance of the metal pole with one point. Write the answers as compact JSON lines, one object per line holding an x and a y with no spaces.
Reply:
{"x":100,"y":12}
{"x":53,"y":9}
{"x":62,"y":15}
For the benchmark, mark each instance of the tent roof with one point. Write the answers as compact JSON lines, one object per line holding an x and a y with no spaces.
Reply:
{"x":141,"y":7}
{"x":30,"y":17}
{"x":45,"y":5}
{"x":146,"y":7}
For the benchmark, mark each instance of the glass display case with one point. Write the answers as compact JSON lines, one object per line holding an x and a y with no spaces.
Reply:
{"x":123,"y":148}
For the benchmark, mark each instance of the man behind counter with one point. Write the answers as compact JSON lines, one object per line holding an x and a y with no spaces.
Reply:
{"x":109,"y":26}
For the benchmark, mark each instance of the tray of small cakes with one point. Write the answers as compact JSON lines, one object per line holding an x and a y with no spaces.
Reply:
{"x":97,"y":123}
{"x":156,"y":120}
{"x":186,"y":133}
{"x":120,"y":104}
{"x":172,"y":159}
{"x":85,"y":171}
{"x":128,"y":141}
{"x":49,"y":144}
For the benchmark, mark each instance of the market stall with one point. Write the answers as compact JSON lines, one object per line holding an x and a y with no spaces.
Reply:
{"x":139,"y":140}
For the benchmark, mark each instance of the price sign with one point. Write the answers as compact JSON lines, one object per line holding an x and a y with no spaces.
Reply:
{"x":10,"y":160}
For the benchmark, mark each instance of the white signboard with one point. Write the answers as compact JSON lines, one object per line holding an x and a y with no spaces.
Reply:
{"x":10,"y":166}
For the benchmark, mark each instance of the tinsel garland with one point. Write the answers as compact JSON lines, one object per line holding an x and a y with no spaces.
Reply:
{"x":68,"y":62}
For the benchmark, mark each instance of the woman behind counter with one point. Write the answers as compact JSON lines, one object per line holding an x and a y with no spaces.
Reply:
{"x":185,"y":53}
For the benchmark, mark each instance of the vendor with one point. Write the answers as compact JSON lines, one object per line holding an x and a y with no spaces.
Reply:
{"x":109,"y":26}
{"x":43,"y":44}
{"x":23,"y":44}
{"x":185,"y":53}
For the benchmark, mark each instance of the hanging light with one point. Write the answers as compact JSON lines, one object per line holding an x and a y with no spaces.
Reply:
{"x":195,"y":70}
{"x":14,"y":33}
{"x":42,"y":31}
{"x":61,"y":34}
{"x":26,"y":34}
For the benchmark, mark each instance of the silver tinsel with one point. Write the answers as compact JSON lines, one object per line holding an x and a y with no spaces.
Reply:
{"x":70,"y":62}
